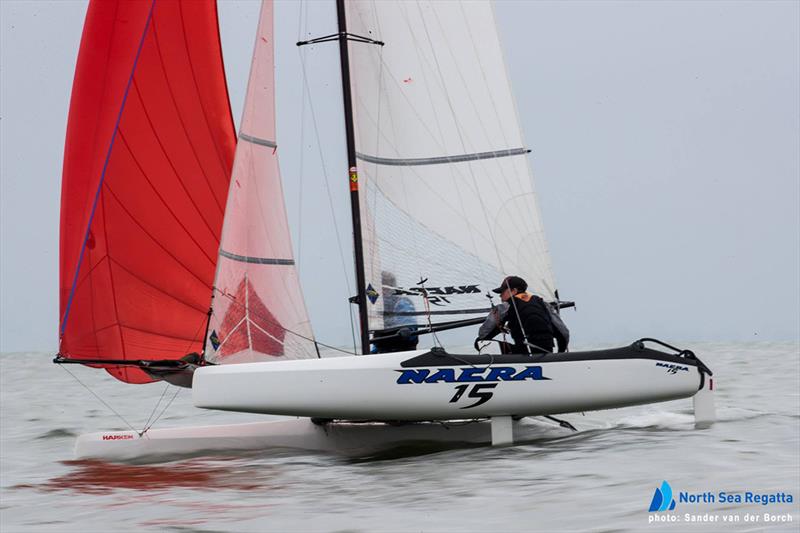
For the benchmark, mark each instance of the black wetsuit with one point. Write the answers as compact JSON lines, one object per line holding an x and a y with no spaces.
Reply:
{"x":536,"y":319}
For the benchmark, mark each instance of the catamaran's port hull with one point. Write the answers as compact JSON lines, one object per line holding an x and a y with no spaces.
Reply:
{"x":347,"y":438}
{"x":437,"y":386}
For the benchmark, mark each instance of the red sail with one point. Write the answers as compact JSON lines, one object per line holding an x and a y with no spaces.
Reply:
{"x":147,"y":162}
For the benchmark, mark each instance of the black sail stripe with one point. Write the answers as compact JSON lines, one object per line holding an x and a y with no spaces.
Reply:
{"x":256,"y":260}
{"x":256,"y":140}
{"x":442,"y":159}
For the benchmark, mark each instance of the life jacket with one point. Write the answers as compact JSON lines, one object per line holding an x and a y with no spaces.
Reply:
{"x":530,"y":312}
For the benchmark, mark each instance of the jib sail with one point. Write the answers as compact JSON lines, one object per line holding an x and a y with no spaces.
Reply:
{"x":258,"y":310}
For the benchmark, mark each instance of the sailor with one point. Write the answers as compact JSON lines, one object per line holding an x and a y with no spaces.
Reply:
{"x":533,"y":323}
{"x":398,"y":316}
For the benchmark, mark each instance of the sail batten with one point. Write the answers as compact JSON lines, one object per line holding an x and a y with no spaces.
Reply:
{"x":256,"y":260}
{"x":446,"y":159}
{"x":256,"y":140}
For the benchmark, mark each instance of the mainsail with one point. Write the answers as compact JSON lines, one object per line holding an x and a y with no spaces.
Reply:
{"x":258,"y":308}
{"x":445,"y":187}
{"x":148,"y":155}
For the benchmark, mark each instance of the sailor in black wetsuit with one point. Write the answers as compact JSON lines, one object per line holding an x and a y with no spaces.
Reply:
{"x":530,"y":320}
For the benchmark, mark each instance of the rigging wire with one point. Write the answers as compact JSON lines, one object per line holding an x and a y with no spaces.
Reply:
{"x":195,"y":338}
{"x":352,"y":328}
{"x":99,"y":398}
{"x":326,"y":178}
{"x":164,"y":410}
{"x":307,"y":91}
{"x":155,"y":407}
{"x":301,"y":21}
{"x":150,"y":420}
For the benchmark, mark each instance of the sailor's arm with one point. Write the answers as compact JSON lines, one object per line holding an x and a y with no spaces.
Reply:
{"x":491,"y":326}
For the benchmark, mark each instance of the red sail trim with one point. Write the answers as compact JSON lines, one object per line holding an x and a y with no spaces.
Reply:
{"x":147,"y":163}
{"x":251,"y":325}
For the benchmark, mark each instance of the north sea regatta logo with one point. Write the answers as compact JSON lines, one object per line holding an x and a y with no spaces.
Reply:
{"x":662,"y":499}
{"x":773,"y":504}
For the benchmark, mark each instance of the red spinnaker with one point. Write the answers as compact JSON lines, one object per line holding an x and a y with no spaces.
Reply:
{"x":147,"y":162}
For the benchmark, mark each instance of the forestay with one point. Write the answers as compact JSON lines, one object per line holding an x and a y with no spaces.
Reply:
{"x":258,"y":307}
{"x":445,"y":186}
{"x":148,"y":154}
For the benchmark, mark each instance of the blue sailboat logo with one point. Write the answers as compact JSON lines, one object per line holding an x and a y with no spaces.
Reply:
{"x":662,"y":499}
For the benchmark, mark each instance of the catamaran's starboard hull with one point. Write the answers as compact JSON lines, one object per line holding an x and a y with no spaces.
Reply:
{"x":352,"y":439}
{"x":438,"y":386}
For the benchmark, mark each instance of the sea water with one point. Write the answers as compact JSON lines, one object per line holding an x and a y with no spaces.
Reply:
{"x":602,"y":478}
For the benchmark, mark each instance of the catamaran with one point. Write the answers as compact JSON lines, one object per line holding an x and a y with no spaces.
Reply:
{"x":177,"y":261}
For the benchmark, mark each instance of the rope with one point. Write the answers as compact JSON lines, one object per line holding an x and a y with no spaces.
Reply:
{"x":307,"y":92}
{"x":519,"y":321}
{"x":101,"y":399}
{"x":164,"y":410}
{"x":155,"y":407}
{"x":428,"y":313}
{"x":352,"y":328}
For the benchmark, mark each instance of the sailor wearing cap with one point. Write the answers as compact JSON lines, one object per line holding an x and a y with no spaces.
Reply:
{"x":531,"y":321}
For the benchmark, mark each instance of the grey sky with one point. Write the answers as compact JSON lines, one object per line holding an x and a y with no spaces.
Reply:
{"x":665,"y":140}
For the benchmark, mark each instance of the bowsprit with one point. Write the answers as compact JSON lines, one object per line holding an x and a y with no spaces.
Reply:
{"x":469,"y":375}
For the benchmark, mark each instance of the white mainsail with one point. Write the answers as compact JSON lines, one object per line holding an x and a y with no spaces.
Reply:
{"x":258,"y":311}
{"x":445,"y":186}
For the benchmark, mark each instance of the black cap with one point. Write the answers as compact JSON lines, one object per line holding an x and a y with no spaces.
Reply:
{"x":512,"y":282}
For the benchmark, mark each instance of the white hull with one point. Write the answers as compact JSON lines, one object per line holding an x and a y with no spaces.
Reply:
{"x":406,"y":386}
{"x":296,"y":434}
{"x":391,"y":387}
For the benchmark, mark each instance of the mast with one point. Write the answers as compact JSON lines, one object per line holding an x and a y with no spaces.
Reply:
{"x":355,"y":208}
